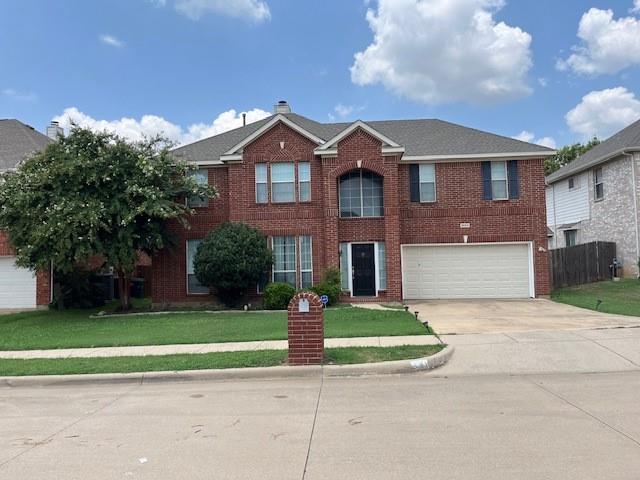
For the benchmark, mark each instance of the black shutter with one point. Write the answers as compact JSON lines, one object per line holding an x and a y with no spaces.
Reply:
{"x":514,"y":181}
{"x":486,"y":180}
{"x":414,"y":182}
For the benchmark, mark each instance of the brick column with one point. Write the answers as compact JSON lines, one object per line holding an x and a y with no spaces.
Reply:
{"x":306,"y":329}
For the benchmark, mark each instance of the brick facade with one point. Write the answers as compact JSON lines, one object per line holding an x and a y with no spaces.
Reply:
{"x":459,"y":199}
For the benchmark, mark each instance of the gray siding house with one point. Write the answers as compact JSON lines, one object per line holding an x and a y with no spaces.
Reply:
{"x":596,"y":197}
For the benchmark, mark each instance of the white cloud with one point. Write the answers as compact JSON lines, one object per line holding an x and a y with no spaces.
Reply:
{"x":603,"y":112}
{"x":20,"y":96}
{"x":607,"y":45}
{"x":152,"y":125}
{"x":437,"y":51}
{"x":111,"y":41}
{"x":528,"y":137}
{"x":343,"y":110}
{"x":544,"y":81}
{"x":252,"y":10}
{"x":636,"y":6}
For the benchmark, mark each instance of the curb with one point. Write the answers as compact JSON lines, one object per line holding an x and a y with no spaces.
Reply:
{"x":254,"y":373}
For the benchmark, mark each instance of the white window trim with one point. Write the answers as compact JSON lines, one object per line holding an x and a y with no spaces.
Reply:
{"x":206,"y":199}
{"x":361,"y":201}
{"x":297,"y":172}
{"x":300,"y":259}
{"x":266,"y":182}
{"x":435,"y":188}
{"x":186,"y":252}
{"x":294,"y":183}
{"x":295,"y":270}
{"x":571,"y":183}
{"x":506,"y":181}
{"x":596,"y":183}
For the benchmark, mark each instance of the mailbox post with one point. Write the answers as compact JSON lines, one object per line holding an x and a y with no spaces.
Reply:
{"x":306,"y":329}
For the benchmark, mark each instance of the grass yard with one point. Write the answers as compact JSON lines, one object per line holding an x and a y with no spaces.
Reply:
{"x":260,"y":358}
{"x":621,"y":297}
{"x":49,"y":329}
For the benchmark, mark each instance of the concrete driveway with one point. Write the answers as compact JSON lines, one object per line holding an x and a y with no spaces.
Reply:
{"x":495,"y":316}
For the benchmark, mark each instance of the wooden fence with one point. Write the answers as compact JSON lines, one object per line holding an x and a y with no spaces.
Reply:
{"x":580,"y":264}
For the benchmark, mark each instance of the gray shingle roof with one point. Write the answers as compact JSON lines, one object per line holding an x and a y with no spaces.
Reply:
{"x":626,"y":139}
{"x":418,"y":137}
{"x":18,"y":141}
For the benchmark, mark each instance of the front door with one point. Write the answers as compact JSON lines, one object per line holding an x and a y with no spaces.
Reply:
{"x":364,"y":270}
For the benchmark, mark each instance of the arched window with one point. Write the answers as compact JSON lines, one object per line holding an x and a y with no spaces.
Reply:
{"x":361,"y":194}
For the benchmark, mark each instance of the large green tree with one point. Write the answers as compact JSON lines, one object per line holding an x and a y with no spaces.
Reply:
{"x":95,"y":194}
{"x":568,"y":154}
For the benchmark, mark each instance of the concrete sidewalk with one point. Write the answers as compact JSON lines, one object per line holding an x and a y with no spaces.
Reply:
{"x":139,"y":351}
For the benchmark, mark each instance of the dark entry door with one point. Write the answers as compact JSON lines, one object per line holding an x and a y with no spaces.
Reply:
{"x":364,"y":276}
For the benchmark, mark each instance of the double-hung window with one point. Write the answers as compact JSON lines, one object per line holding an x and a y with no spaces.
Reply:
{"x":598,"y":184}
{"x":284,"y":260}
{"x":306,"y":262}
{"x":499,"y":187}
{"x":304,"y":181}
{"x":201,"y":176}
{"x":193,"y":285}
{"x":427,"y":182}
{"x":262,"y":195}
{"x":283,"y":182}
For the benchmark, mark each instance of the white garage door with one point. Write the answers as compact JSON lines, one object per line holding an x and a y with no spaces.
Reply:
{"x":466,"y":271}
{"x":17,"y":285}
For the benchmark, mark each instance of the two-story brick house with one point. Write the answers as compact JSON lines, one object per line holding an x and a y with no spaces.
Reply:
{"x":407,"y":209}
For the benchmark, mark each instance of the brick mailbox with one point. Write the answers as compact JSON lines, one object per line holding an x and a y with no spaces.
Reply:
{"x":306,"y":329}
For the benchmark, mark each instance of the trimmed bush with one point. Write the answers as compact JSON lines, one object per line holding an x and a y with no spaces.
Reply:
{"x":278,"y":295}
{"x":330,"y":286}
{"x":232,"y":259}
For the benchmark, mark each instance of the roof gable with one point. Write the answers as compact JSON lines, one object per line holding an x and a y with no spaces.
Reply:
{"x":330,"y":146}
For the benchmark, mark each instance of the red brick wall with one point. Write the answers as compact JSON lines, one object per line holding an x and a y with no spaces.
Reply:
{"x":305,"y":331}
{"x":43,"y":284}
{"x":459,"y":199}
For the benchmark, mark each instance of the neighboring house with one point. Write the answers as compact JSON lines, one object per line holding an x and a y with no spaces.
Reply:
{"x":596,"y":197}
{"x":407,"y":209}
{"x":20,"y":288}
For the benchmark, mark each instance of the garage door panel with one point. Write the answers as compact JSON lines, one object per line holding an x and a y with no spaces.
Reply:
{"x":466,"y":271}
{"x":17,"y":285}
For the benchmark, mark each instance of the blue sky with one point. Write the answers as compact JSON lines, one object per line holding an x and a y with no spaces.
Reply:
{"x":176,"y":66}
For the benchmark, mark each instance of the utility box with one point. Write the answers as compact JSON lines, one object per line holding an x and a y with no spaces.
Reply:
{"x":305,"y":329}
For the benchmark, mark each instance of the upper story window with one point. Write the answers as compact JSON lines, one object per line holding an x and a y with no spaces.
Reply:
{"x":304,"y":181}
{"x":571,"y":183}
{"x":500,"y":180}
{"x":262,"y":195}
{"x":427,"y":173}
{"x":598,"y":184}
{"x":201,"y":176}
{"x":282,"y":182}
{"x":361,"y":194}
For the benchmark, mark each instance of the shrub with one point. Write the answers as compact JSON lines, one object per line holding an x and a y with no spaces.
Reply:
{"x":80,"y":288}
{"x":330,"y":286}
{"x":278,"y":295}
{"x":231,"y":259}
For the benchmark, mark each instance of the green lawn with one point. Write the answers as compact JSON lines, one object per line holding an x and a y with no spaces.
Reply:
{"x":260,"y":358}
{"x":73,"y":328}
{"x":621,"y":297}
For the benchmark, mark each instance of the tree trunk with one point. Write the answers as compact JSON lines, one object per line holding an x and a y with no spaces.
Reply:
{"x":124,"y":290}
{"x":58,"y":295}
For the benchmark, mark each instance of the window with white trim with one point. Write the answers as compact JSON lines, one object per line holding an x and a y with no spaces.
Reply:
{"x":283,"y":182}
{"x":361,"y":194}
{"x":262,"y":195}
{"x":427,"y":182}
{"x":570,"y":238}
{"x":499,"y":187}
{"x":284,"y":260}
{"x":304,"y":181}
{"x":382,"y":266}
{"x":598,"y":184}
{"x":201,"y":176}
{"x":306,"y":262}
{"x":345,"y":266}
{"x":193,"y":284}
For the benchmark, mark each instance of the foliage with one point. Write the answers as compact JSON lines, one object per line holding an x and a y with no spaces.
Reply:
{"x":81,"y":288}
{"x":232,"y":259}
{"x":568,"y":154}
{"x":93,"y":194}
{"x":278,"y":295}
{"x":330,"y":286}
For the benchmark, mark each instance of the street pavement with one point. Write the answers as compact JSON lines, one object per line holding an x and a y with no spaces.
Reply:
{"x":529,"y":405}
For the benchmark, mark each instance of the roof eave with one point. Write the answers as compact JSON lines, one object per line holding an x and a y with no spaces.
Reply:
{"x":561,"y":175}
{"x":477,"y":156}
